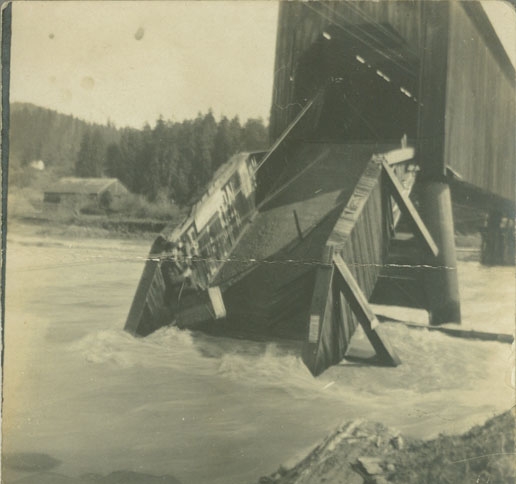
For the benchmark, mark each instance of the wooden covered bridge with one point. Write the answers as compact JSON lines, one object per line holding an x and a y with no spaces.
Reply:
{"x":434,"y":74}
{"x":381,"y":111}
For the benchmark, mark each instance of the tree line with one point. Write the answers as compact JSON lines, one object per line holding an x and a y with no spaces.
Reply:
{"x":37,"y":133}
{"x":172,"y":160}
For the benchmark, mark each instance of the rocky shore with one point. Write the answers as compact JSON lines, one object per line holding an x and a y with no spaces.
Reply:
{"x":357,"y":452}
{"x":361,"y":452}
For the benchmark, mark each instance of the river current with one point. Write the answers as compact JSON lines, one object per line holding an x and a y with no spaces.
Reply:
{"x":214,"y":410}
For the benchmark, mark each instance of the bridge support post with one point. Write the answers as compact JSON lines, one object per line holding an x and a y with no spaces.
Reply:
{"x":441,"y":280}
{"x":498,"y":239}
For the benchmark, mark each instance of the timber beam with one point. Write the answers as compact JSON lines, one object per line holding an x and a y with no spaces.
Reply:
{"x":319,"y":351}
{"x":407,"y":207}
{"x":365,"y":315}
{"x":329,"y":330}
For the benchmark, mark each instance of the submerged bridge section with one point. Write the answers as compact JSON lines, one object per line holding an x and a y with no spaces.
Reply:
{"x":312,"y":255}
{"x":435,"y":72}
{"x":337,"y":215}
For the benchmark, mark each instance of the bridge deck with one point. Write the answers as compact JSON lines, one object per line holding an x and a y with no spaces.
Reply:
{"x":320,"y":179}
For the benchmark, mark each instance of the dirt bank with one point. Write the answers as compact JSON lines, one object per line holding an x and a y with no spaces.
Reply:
{"x":74,"y":230}
{"x":133,"y":217}
{"x":360,"y":452}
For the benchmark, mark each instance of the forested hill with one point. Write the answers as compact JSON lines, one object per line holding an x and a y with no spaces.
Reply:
{"x":175,"y":160}
{"x":171,"y":160}
{"x":38,"y":133}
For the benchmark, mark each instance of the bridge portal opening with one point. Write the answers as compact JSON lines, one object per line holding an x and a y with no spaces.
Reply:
{"x":370,"y":80}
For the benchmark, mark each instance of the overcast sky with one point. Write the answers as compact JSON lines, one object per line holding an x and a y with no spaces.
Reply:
{"x":132,"y":61}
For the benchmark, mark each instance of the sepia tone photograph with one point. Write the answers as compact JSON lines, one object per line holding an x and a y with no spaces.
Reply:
{"x":258,"y":242}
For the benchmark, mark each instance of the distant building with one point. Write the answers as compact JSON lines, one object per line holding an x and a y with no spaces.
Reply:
{"x":82,"y":190}
{"x":38,"y":165}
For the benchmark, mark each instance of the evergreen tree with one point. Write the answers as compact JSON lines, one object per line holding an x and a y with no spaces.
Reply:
{"x":228,"y":140}
{"x":254,"y":135}
{"x":91,"y":155}
{"x":37,"y":133}
{"x":204,"y":132}
{"x":235,"y":136}
{"x":173,"y":159}
{"x":222,"y":143}
{"x":83,"y":162}
{"x":149,"y":164}
{"x":115,"y":166}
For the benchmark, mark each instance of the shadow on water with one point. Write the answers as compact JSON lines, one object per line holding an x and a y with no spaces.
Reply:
{"x":118,"y":477}
{"x":29,"y":461}
{"x":33,"y":468}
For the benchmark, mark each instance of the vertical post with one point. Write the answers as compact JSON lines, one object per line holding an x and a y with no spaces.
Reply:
{"x":498,"y":239}
{"x":318,"y":351}
{"x":491,"y":240}
{"x":433,"y":73}
{"x":441,"y":281}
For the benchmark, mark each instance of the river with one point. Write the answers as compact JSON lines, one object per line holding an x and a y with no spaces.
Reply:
{"x":213,"y":410}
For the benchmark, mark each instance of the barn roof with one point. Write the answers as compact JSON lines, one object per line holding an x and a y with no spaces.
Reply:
{"x":84,"y":186}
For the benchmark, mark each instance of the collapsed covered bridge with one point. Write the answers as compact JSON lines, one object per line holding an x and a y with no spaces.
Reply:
{"x":329,"y":225}
{"x":433,"y":71}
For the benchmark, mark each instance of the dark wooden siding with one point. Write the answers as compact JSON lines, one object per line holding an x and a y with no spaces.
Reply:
{"x":301,"y":23}
{"x":360,"y":238}
{"x":480,"y":109}
{"x":478,"y":121}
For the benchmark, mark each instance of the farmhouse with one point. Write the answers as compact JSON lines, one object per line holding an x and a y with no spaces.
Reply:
{"x":81,"y":190}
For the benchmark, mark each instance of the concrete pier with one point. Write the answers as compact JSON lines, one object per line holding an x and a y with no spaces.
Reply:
{"x":441,"y":281}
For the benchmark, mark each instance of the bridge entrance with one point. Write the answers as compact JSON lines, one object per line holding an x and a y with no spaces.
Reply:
{"x":371,"y":81}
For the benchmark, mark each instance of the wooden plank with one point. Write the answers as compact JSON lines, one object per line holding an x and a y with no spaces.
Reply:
{"x":355,"y":205}
{"x":289,"y":129}
{"x":134,"y":319}
{"x":317,"y":352}
{"x":217,"y":302}
{"x":455,"y":330}
{"x":365,"y":315}
{"x":408,"y":208}
{"x":479,"y":124}
{"x":370,"y":318}
{"x":401,"y":155}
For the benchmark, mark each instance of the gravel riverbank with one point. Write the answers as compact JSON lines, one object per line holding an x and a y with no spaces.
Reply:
{"x":361,"y":452}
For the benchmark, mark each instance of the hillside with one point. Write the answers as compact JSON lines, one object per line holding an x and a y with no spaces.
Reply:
{"x":165,"y":167}
{"x":38,"y":133}
{"x":171,"y":160}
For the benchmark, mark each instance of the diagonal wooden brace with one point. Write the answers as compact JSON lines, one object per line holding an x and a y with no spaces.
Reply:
{"x":408,"y":209}
{"x":365,"y":315}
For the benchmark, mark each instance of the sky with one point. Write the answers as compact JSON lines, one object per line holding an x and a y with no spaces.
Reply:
{"x":131,"y":62}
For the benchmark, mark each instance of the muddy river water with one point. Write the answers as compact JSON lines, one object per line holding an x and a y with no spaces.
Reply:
{"x":214,"y":410}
